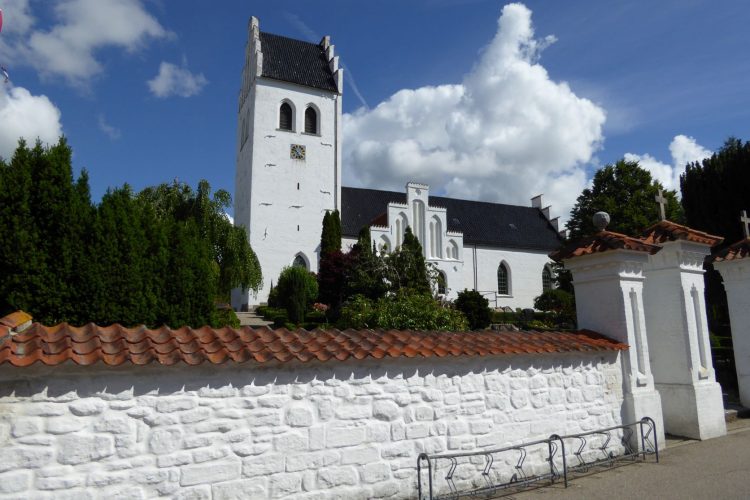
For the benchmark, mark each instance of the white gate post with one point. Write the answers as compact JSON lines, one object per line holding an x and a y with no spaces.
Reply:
{"x":678,"y":331}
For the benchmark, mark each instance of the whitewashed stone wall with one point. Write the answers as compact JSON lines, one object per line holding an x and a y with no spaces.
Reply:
{"x":331,"y":430}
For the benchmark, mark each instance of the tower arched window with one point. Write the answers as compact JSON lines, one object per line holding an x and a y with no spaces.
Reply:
{"x":311,"y":121}
{"x":300,"y":261}
{"x":546,"y":279}
{"x":286,"y":116}
{"x":503,"y":279}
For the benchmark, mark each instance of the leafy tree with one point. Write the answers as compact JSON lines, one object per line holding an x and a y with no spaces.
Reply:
{"x":475,"y":307}
{"x":626,"y":192}
{"x":237,"y":264}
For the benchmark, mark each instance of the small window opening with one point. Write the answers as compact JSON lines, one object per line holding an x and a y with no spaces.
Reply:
{"x":311,"y":121}
{"x":285,"y":117}
{"x":502,"y":279}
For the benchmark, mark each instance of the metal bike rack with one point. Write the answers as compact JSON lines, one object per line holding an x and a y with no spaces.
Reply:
{"x":614,"y":444}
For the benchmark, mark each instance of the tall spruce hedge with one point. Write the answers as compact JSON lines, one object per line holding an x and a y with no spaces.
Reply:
{"x":162,"y":256}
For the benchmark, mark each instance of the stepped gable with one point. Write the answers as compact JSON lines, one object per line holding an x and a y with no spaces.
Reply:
{"x":665,"y":230}
{"x":737,"y":251}
{"x":603,"y":241}
{"x":295,"y":61}
{"x":481,"y":223}
{"x":116,"y":345}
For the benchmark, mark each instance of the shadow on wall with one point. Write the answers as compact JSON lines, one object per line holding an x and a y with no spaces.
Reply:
{"x":127,"y":381}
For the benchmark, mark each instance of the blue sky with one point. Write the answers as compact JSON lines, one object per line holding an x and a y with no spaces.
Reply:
{"x":639,"y":73}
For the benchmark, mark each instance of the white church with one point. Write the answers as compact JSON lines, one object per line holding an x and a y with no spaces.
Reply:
{"x":288,"y":175}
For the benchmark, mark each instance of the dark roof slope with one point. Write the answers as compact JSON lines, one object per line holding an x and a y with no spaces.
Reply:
{"x":295,"y":61}
{"x":482,"y":223}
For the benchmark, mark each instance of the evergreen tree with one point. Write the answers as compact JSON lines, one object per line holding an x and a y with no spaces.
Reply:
{"x":407,"y":268}
{"x":330,"y":236}
{"x":366,"y":272}
{"x":717,"y":189}
{"x":626,"y":192}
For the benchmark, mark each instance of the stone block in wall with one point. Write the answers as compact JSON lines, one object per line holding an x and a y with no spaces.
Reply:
{"x":282,"y":485}
{"x":333,"y":477}
{"x":77,"y":449}
{"x":16,"y":481}
{"x":213,"y":472}
{"x":239,"y":490}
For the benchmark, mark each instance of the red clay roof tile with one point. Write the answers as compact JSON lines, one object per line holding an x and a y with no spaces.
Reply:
{"x":114,"y":345}
{"x":737,"y":251}
{"x":664,"y":231}
{"x":603,"y":241}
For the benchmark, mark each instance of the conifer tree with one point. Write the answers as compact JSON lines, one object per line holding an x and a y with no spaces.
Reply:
{"x":407,"y":268}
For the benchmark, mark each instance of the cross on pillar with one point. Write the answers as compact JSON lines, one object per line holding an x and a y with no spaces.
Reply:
{"x":662,"y":201}
{"x":745,"y":221}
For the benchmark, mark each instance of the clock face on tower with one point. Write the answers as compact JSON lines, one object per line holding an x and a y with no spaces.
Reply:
{"x":297,"y":152}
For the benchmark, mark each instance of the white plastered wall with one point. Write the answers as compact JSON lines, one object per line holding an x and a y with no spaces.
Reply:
{"x":324,"y":430}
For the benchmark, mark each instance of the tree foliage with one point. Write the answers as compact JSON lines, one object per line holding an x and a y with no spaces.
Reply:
{"x":296,"y":291}
{"x":717,"y":189}
{"x":475,"y":307}
{"x":405,"y":310}
{"x":714,"y":192}
{"x":626,"y":192}
{"x":163,"y":256}
{"x":406,"y":267}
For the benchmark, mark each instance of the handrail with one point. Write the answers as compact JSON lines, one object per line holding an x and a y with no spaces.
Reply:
{"x":649,"y":445}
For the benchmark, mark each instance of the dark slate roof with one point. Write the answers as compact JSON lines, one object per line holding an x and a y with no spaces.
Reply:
{"x":295,"y":61}
{"x":482,"y":223}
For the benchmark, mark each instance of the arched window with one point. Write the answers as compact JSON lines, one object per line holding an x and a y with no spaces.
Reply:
{"x":311,"y":121}
{"x":503,"y":283}
{"x":418,"y":226}
{"x":436,"y":238}
{"x":452,"y":250}
{"x":401,"y":225}
{"x":546,"y":279}
{"x":442,"y":283}
{"x":299,"y":261}
{"x":286,"y":116}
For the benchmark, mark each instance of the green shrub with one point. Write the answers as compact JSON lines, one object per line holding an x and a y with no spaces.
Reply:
{"x":280,"y":320}
{"x":227,"y":317}
{"x":297,"y":289}
{"x":475,"y":307}
{"x":359,"y":312}
{"x":559,"y":304}
{"x":403,"y":311}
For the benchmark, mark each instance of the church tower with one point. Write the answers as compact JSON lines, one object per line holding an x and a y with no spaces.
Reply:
{"x":288,"y":151}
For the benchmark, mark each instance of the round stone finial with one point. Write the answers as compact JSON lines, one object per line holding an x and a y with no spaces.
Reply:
{"x":601,"y":219}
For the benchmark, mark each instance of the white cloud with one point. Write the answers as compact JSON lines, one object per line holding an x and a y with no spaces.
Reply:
{"x":506,"y":133}
{"x":112,"y":132}
{"x":25,"y":115}
{"x":68,"y":49}
{"x":174,"y":80}
{"x":683,"y":149}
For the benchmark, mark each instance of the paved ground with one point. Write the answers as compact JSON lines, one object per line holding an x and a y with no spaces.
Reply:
{"x":717,"y":468}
